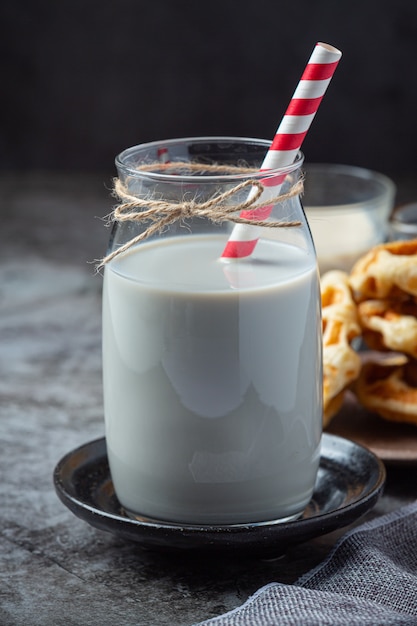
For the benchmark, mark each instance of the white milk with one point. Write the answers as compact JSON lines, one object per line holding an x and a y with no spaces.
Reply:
{"x":341,"y":237}
{"x":212,"y":390}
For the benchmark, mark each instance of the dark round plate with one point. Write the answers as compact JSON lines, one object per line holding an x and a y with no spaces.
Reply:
{"x":349,"y":482}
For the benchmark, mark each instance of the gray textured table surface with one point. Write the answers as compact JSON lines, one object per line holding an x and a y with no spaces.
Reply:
{"x":54,"y":568}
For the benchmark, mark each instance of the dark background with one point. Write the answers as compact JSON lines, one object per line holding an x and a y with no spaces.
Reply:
{"x":84,"y":79}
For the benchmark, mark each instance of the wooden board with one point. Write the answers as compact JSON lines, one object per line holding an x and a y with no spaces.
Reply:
{"x":392,"y":442}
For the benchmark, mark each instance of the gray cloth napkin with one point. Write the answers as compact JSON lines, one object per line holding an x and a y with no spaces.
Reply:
{"x":369,"y":578}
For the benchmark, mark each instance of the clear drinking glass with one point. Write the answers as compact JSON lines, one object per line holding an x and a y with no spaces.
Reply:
{"x":348,"y":208}
{"x":212,"y":366}
{"x":403,"y":222}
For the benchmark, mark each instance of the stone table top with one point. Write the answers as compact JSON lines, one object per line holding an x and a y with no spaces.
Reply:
{"x":54,"y":567}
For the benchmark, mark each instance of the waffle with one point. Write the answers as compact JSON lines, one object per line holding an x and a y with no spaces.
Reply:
{"x":388,"y":387}
{"x":390,"y":324}
{"x":386,"y":271}
{"x":341,"y":364}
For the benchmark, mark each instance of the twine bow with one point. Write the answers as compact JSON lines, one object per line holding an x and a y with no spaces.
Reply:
{"x":161,"y":213}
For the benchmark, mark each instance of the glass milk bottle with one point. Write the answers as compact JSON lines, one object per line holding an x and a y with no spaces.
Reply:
{"x":211,"y":365}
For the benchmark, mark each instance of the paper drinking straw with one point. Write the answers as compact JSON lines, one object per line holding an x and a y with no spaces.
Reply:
{"x":163,"y":155}
{"x":288,"y":139}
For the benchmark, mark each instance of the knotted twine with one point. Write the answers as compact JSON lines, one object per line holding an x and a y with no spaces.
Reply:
{"x":161,"y":213}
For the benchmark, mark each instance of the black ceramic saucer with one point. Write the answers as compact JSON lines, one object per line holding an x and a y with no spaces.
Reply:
{"x":349,"y":482}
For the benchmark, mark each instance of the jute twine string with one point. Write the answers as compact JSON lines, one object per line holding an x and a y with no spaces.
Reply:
{"x":161,"y":213}
{"x":192,"y":168}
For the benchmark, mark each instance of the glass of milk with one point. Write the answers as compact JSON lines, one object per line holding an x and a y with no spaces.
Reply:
{"x":212,"y":367}
{"x":403,"y":222}
{"x":348,"y":209}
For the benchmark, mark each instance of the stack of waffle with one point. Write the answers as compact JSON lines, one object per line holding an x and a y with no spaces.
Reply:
{"x":378,"y":302}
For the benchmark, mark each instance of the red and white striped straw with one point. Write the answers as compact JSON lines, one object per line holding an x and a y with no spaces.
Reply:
{"x":163,"y":155}
{"x":288,"y":139}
